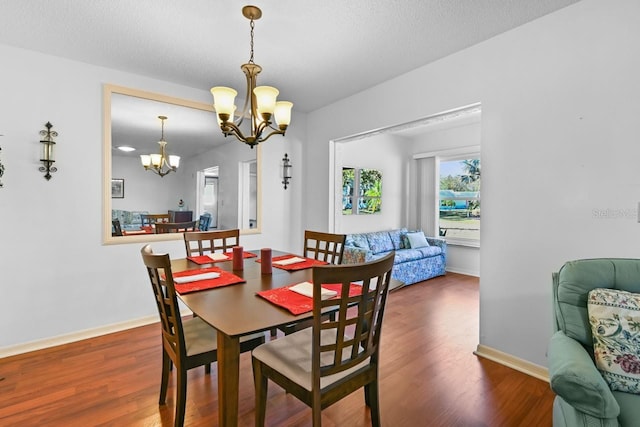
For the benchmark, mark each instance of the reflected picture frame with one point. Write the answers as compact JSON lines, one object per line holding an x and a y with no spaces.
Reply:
{"x":117,"y":188}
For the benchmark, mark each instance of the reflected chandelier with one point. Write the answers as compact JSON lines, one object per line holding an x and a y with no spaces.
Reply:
{"x":260,"y":103}
{"x":160,"y":164}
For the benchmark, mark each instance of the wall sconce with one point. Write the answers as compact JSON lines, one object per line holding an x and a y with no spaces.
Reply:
{"x":47,"y":150}
{"x":286,"y":170}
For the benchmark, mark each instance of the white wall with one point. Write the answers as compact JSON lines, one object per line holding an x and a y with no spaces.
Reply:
{"x":56,"y":275}
{"x":560,"y":99}
{"x":385,"y":153}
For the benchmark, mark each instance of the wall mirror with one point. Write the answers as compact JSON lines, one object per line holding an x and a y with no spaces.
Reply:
{"x":216,"y":177}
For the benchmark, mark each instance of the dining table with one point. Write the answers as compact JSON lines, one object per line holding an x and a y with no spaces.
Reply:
{"x":237,"y":310}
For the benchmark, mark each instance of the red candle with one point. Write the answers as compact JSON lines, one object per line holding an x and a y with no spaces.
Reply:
{"x":238,"y":258}
{"x":265,"y":260}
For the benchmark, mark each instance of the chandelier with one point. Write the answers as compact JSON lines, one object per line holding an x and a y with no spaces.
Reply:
{"x":260,"y":103}
{"x":160,"y":164}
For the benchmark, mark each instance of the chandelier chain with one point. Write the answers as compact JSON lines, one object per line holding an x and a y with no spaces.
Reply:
{"x":251,"y":56}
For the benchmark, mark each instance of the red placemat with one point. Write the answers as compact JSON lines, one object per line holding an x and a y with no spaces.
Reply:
{"x":204,"y":259}
{"x":225,"y":279}
{"x":308,"y":263}
{"x":297,"y":303}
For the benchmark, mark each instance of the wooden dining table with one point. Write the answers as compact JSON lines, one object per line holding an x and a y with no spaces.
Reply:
{"x":237,"y":310}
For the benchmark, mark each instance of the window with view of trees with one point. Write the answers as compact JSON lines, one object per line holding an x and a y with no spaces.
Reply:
{"x":361,"y":191}
{"x":460,"y":199}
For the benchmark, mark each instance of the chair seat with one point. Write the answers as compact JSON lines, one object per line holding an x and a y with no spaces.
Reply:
{"x":291,"y":356}
{"x":200,"y":338}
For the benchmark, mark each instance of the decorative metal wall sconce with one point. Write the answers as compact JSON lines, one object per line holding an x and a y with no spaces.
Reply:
{"x":286,"y":170}
{"x":48,"y":145}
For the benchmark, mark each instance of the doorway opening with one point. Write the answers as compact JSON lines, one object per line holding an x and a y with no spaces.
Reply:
{"x":207,"y":194}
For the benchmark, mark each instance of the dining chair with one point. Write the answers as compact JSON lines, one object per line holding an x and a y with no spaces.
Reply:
{"x":324,"y":246}
{"x":186,"y":343}
{"x":117,"y":228}
{"x":175,"y":227}
{"x":150,"y":219}
{"x":321,"y":246}
{"x":204,"y":221}
{"x":322,"y":364}
{"x":205,"y":242}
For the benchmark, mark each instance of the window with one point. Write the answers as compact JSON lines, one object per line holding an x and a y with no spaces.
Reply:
{"x":361,"y":191}
{"x":459,"y":199}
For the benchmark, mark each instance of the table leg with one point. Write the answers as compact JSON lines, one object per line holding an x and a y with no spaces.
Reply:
{"x":228,"y":379}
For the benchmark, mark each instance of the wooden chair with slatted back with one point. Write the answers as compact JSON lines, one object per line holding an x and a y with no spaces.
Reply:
{"x":186,"y":343}
{"x":175,"y":227}
{"x":206,"y":242}
{"x":322,"y":364}
{"x":326,"y":247}
{"x":150,"y":219}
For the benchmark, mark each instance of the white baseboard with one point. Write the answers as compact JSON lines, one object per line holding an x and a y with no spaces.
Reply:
{"x":513,"y":362}
{"x":75,"y":336}
{"x":463,"y":271}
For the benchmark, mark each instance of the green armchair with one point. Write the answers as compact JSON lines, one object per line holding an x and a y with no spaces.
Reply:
{"x":583,"y":396}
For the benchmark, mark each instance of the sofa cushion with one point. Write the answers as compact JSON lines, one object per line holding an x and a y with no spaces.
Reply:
{"x":379,"y":241}
{"x":396,"y":238}
{"x":406,"y":255}
{"x":417,"y":240}
{"x":405,"y":239}
{"x":629,"y":408}
{"x":615,"y":326}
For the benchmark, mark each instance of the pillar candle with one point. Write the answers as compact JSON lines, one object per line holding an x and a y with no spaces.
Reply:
{"x":238,"y":258}
{"x":265,"y":260}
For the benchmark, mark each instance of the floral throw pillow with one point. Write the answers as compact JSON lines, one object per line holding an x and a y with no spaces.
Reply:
{"x":615,"y":325}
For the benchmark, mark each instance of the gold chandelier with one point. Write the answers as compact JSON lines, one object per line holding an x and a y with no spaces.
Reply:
{"x":260,"y":103}
{"x":160,"y":164}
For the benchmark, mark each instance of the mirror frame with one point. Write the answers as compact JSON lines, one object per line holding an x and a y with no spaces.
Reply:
{"x":107,"y":238}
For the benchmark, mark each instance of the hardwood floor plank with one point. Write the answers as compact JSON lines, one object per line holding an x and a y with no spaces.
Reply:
{"x":429,"y":376}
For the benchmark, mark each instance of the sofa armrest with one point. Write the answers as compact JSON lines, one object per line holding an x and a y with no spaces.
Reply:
{"x":355,"y":255}
{"x":574,"y":377}
{"x":441,"y":243}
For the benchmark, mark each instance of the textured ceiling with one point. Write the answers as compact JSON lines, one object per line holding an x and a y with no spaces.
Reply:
{"x":315,"y":52}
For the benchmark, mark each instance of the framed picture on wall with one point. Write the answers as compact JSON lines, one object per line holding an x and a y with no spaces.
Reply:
{"x":117,"y":188}
{"x":361,"y":191}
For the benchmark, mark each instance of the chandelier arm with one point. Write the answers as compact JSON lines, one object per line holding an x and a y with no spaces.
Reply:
{"x":261,"y":127}
{"x":246,"y":104}
{"x":233,"y":130}
{"x":275,"y":132}
{"x":271,"y":126}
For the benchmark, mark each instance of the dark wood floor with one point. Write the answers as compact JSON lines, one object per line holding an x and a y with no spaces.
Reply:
{"x":429,"y":376}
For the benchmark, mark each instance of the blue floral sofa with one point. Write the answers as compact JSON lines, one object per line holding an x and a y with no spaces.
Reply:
{"x":410,"y":265}
{"x":129,"y":220}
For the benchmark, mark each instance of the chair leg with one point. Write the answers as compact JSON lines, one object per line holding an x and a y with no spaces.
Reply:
{"x":371,"y":398}
{"x":181,"y":396}
{"x":166,"y":369}
{"x":207,"y":368}
{"x":316,"y":414}
{"x":261,"y":386}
